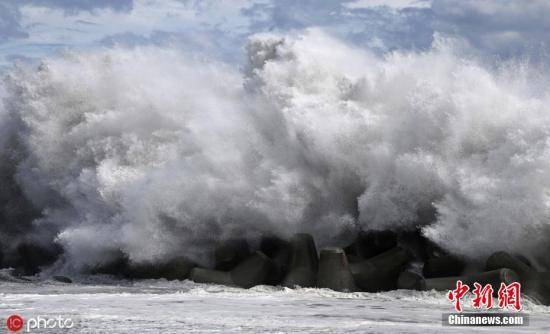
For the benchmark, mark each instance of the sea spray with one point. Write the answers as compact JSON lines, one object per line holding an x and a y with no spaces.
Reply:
{"x":159,"y":154}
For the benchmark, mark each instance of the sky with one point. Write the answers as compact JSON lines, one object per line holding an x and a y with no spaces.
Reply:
{"x":32,"y":29}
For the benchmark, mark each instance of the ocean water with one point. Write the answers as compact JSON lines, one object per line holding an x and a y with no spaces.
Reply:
{"x":159,"y":306}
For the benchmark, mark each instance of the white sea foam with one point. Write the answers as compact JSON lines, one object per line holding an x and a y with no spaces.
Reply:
{"x":159,"y":153}
{"x":161,"y":306}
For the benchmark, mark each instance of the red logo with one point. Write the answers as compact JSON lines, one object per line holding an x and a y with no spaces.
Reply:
{"x":508,"y":295}
{"x":14,"y":323}
{"x":457,"y":294}
{"x":483,"y":296}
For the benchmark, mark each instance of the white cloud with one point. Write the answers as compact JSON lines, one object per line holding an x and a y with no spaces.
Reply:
{"x":396,"y":4}
{"x":496,"y":27}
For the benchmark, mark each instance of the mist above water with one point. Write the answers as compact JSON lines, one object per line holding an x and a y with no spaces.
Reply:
{"x":159,"y":153}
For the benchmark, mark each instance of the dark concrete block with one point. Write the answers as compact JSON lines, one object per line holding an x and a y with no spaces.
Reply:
{"x":253,"y":271}
{"x":177,"y":268}
{"x":272,"y":245}
{"x":279,"y":251}
{"x":304,"y":262}
{"x":352,"y":258}
{"x":380,"y":273}
{"x":230,"y":253}
{"x":534,"y":284}
{"x":372,"y":243}
{"x":203,"y":275}
{"x":141,"y":270}
{"x":410,"y":281}
{"x":537,"y":287}
{"x":334,"y":272}
{"x":419,"y":246}
{"x":504,"y":260}
{"x":62,"y":279}
{"x":116,"y":265}
{"x":443,"y":266}
{"x":523,"y":259}
{"x":33,"y":255}
{"x":1,"y":257}
{"x":493,"y":277}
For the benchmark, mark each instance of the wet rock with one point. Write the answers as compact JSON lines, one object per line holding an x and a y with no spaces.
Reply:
{"x":371,"y":243}
{"x":410,"y":281}
{"x":334,"y":272}
{"x":62,"y":279}
{"x":304,"y":262}
{"x":230,"y":253}
{"x":443,"y":266}
{"x":380,"y":273}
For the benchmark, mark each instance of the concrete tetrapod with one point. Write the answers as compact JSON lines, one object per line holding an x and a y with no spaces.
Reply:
{"x":32,"y":255}
{"x":410,"y":281}
{"x":442,"y":266}
{"x":177,"y":268}
{"x":334,"y":272}
{"x":504,"y":260}
{"x":372,"y":243}
{"x":304,"y":263}
{"x":204,"y":275}
{"x":279,"y":251}
{"x":231,"y":252}
{"x":493,"y":277}
{"x":542,"y":287}
{"x":62,"y":279}
{"x":380,"y":273}
{"x":253,"y":271}
{"x":534,"y":284}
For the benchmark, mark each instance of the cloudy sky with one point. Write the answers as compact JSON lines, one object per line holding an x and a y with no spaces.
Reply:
{"x":31,"y":29}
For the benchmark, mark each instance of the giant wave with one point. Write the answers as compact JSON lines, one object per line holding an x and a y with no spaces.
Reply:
{"x":156,"y":152}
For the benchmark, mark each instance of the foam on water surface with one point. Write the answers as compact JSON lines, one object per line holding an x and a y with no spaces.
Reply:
{"x":170,"y":307}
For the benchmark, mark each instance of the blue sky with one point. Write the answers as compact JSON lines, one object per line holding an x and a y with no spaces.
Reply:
{"x":31,"y":29}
